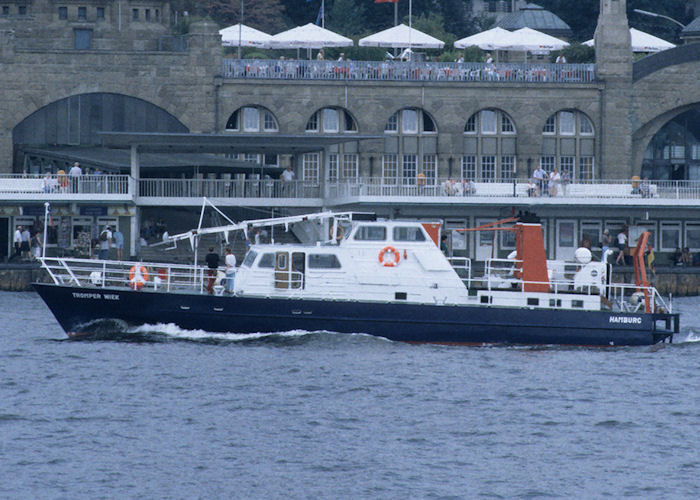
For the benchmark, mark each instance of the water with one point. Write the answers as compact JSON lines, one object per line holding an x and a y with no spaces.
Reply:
{"x":178,"y":414}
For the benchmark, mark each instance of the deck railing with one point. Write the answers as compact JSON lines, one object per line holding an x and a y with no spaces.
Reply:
{"x":60,"y":186}
{"x":406,"y":71}
{"x":228,"y":188}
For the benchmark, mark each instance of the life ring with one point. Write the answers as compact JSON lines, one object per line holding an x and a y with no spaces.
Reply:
{"x":389,"y":263}
{"x":138,"y":276}
{"x":340,"y":233}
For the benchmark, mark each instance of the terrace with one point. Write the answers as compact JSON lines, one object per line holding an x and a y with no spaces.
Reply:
{"x":406,"y":71}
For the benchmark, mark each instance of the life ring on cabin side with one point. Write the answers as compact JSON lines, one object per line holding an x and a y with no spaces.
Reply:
{"x":339,"y":233}
{"x":138,"y":276}
{"x":389,"y":263}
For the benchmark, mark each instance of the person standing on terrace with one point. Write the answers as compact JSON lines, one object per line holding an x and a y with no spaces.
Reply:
{"x":342,"y":57}
{"x":320,"y":56}
{"x":540,"y":177}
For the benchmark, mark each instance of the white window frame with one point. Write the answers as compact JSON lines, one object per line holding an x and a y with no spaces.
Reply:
{"x":312,"y":124}
{"x":676,"y":226}
{"x":562,"y":122}
{"x":310,"y":167}
{"x":430,"y":169}
{"x":484,"y":123}
{"x":507,"y":167}
{"x":252,"y":113}
{"x":487,"y":168}
{"x":469,"y":167}
{"x":269,"y":121}
{"x":690,"y":226}
{"x":409,"y":169}
{"x":583,"y":168}
{"x":408,"y":126}
{"x":390,"y":169}
{"x":392,"y":124}
{"x":330,"y":121}
{"x":333,"y":167}
{"x":350,"y":166}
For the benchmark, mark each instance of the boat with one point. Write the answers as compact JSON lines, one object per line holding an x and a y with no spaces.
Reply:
{"x":364,"y":275}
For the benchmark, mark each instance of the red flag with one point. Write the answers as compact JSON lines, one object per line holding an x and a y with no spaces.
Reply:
{"x":386,"y":1}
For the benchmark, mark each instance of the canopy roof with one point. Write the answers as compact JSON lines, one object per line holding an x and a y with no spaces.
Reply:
{"x":493,"y":39}
{"x":308,"y":36}
{"x":537,"y":18}
{"x":527,"y":39}
{"x":249,"y":37}
{"x":643,"y":42}
{"x":401,"y":36}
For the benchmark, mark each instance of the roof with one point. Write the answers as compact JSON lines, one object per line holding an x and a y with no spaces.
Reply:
{"x":119,"y":160}
{"x":156,"y":142}
{"x":693,"y":29}
{"x":535,"y":17}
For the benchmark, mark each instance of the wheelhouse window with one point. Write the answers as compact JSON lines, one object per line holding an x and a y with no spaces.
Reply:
{"x":408,"y":234}
{"x":370,"y":233}
{"x":323,"y":261}
{"x":267,"y":260}
{"x":249,"y":258}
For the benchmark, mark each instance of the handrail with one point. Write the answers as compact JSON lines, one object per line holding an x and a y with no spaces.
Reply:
{"x":298,"y":69}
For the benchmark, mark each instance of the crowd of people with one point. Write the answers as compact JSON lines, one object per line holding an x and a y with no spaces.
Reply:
{"x":543,"y":183}
{"x":466,"y":187}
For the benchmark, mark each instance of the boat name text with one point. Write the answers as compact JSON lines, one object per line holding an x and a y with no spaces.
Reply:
{"x":626,"y":319}
{"x":88,"y":295}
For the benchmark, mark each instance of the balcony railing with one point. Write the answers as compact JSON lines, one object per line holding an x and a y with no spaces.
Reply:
{"x":228,"y":188}
{"x":65,"y":187}
{"x":406,"y":71}
{"x":444,"y":188}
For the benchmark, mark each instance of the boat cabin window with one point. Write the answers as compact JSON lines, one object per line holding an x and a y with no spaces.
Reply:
{"x":249,"y":258}
{"x":323,"y":261}
{"x":577,"y":303}
{"x":371,"y":233}
{"x":267,"y":260}
{"x":281,"y":260}
{"x":408,"y":234}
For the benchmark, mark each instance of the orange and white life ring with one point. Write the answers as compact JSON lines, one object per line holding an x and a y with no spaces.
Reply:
{"x":340,"y":232}
{"x":388,"y":262}
{"x":138,"y":276}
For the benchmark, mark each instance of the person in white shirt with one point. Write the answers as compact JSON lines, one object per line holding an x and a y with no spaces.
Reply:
{"x":621,"y":244}
{"x":17,"y":241}
{"x":105,"y":242}
{"x":230,"y":262}
{"x":540,"y":176}
{"x":489,"y":59}
{"x":287,"y":175}
{"x":75,"y":173}
{"x":26,"y":237}
{"x":561,"y":59}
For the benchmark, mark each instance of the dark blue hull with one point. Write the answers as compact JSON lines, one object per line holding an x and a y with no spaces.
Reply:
{"x":77,"y":308}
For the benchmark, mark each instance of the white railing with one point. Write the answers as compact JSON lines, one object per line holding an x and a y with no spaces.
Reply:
{"x":122,"y":274}
{"x":228,"y":188}
{"x":57,"y":186}
{"x":444,"y":188}
{"x":406,"y":71}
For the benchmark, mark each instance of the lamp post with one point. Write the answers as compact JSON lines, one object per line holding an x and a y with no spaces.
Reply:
{"x":654,"y":14}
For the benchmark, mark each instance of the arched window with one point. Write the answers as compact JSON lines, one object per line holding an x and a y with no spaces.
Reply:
{"x":250,"y":119}
{"x":342,"y":160}
{"x":489,"y":147}
{"x":568,"y":144}
{"x":674,"y":151}
{"x":410,"y":148}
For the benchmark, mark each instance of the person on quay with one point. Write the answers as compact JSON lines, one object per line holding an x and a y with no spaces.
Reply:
{"x":17,"y":242}
{"x":605,"y":243}
{"x":565,"y":181}
{"x":540,"y":177}
{"x":104,"y":243}
{"x":26,"y":240}
{"x":554,"y":182}
{"x":36,"y":245}
{"x":230,"y":261}
{"x":212,"y":260}
{"x":75,"y":173}
{"x":621,"y":245}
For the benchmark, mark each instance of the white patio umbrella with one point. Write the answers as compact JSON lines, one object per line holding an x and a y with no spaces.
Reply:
{"x":527,"y":39}
{"x":493,"y":39}
{"x":243,"y":36}
{"x":643,"y":42}
{"x":308,"y":36}
{"x":401,"y":36}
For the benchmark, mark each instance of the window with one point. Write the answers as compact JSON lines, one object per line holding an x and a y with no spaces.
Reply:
{"x":532,"y":301}
{"x":100,"y":13}
{"x":147,"y":14}
{"x":592,"y":230}
{"x":251,"y":120}
{"x":392,"y":123}
{"x":271,"y":160}
{"x":578,"y":304}
{"x":249,"y":258}
{"x":5,"y":10}
{"x":323,"y":261}
{"x":568,"y":165}
{"x":507,"y":126}
{"x":586,"y":127}
{"x":22,"y":10}
{"x":430,"y":169}
{"x":554,"y":302}
{"x":370,"y":233}
{"x":83,"y":39}
{"x":566,"y":123}
{"x":670,"y":236}
{"x":389,"y":169}
{"x":332,"y":167}
{"x":469,"y":167}
{"x":470,"y":127}
{"x":269,"y":122}
{"x":267,"y":260}
{"x":350,"y":125}
{"x":507,"y":168}
{"x":409,"y":121}
{"x":408,"y":234}
{"x":82,"y":13}
{"x":488,"y":168}
{"x":157,"y":14}
{"x":692,"y":236}
{"x":409,"y":169}
{"x":62,"y":13}
{"x":549,"y":126}
{"x":312,"y":124}
{"x":350,"y":166}
{"x":330,"y":120}
{"x":548,"y":163}
{"x":310,"y":167}
{"x":135,"y":14}
{"x":586,"y":172}
{"x":488,"y":121}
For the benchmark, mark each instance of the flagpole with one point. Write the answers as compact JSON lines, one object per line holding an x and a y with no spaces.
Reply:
{"x":410,"y":22}
{"x":240,"y":29}
{"x":46,"y":224}
{"x":323,"y":13}
{"x":396,"y":13}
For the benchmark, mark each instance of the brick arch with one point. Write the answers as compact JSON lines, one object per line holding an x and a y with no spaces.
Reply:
{"x":75,"y":120}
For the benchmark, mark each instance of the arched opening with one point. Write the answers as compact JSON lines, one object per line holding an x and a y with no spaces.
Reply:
{"x":674,"y":151}
{"x":410,"y":148}
{"x":489,"y":147}
{"x":568,"y":144}
{"x":342,"y":160}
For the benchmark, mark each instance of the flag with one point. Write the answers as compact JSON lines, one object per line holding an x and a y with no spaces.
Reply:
{"x":319,"y":18}
{"x":386,"y":1}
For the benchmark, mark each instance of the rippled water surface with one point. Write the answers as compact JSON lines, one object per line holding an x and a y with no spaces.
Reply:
{"x":164,"y":413}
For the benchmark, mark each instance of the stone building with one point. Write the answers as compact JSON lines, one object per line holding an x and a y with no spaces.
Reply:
{"x":74,"y":70}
